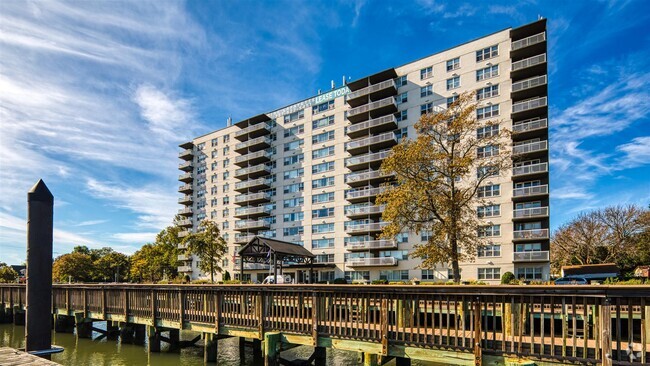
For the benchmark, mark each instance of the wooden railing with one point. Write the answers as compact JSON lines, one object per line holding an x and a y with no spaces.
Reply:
{"x":585,"y":324}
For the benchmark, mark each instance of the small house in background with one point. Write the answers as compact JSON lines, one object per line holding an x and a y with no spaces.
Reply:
{"x":20,"y":269}
{"x":592,"y":272}
{"x":642,"y":272}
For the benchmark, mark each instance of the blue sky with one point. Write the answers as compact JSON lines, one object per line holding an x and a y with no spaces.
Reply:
{"x":96,"y":96}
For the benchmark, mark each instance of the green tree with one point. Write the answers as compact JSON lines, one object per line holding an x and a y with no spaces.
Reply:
{"x":7,"y":274}
{"x":109,"y":265}
{"x":208,"y":246}
{"x":438,"y":175}
{"x":155,"y":261}
{"x":75,"y":265}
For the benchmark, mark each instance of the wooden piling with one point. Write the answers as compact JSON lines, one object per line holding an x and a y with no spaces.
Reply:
{"x":271,"y":349}
{"x":210,"y":348}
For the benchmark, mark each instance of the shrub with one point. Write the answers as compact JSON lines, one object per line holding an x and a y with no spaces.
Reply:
{"x":340,"y":281}
{"x":379,"y":282}
{"x":232,"y":282}
{"x":508,"y":278}
{"x":201,"y":282}
{"x":226,"y":276}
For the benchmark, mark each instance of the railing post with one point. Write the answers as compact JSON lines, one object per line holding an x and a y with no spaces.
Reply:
{"x":104,"y":303}
{"x":181,"y":307}
{"x":478,"y":357}
{"x":314,"y":318}
{"x":85,"y":303}
{"x":260,"y":313}
{"x":384,"y":325}
{"x":126,"y":305}
{"x":67,"y":301}
{"x":217,"y":311}
{"x":605,"y":329}
{"x":153,"y":308}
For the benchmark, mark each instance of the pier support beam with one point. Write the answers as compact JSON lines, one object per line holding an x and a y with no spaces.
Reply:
{"x":140,"y":331}
{"x":210,"y":348}
{"x":63,"y":324}
{"x":370,"y":359}
{"x":320,"y":356}
{"x":402,"y":361}
{"x":242,"y":349}
{"x":84,"y":330}
{"x":126,"y":333}
{"x":174,"y":340}
{"x":112,"y":330}
{"x":257,"y":352}
{"x":154,"y":339}
{"x":271,"y":352}
{"x":19,"y":316}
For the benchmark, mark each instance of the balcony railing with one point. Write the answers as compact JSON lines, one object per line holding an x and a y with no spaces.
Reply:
{"x":529,"y":83}
{"x":382,"y":123}
{"x":369,"y":174}
{"x":362,"y":228}
{"x":354,"y":210}
{"x":372,"y":88}
{"x":364,"y":193}
{"x":541,"y":256}
{"x":252,"y":197}
{"x":184,"y":233}
{"x":529,"y":62}
{"x":264,"y":140}
{"x":185,"y":223}
{"x":184,"y":269}
{"x":387,"y":137}
{"x":523,"y":213}
{"x":372,"y":262}
{"x":258,"y":128}
{"x":260,"y":169}
{"x":530,"y":125}
{"x":529,"y":104}
{"x":259,"y":182}
{"x":185,"y":188}
{"x":185,"y":200}
{"x":529,"y":41}
{"x":530,"y":147}
{"x":184,"y":257}
{"x":372,"y":106}
{"x":186,"y":166}
{"x":187,"y":153}
{"x":258,"y":155}
{"x":252,"y":224}
{"x":530,"y":191}
{"x":530,"y":234}
{"x":255,"y":210}
{"x":371,"y":244}
{"x":367,"y":158}
{"x":243,"y":238}
{"x":187,"y":211}
{"x":530,"y":169}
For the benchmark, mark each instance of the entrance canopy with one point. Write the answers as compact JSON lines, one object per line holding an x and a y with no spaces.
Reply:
{"x":275,"y":252}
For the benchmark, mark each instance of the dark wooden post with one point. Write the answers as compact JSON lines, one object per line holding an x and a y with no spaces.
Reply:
{"x":605,"y":329}
{"x":40,"y":213}
{"x":384,"y":325}
{"x":478,"y":357}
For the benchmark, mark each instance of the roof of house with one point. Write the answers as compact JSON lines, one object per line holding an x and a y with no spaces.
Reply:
{"x":255,"y":248}
{"x":605,"y":268}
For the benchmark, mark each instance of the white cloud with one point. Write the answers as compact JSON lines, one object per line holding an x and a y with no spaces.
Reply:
{"x":136,"y":238}
{"x":635,"y":153}
{"x":166,"y":116}
{"x":90,"y":222}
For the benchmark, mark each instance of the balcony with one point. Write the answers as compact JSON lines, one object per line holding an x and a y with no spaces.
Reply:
{"x":365,"y":228}
{"x":541,"y":256}
{"x":528,"y":41}
{"x":527,"y":213}
{"x":187,"y":211}
{"x":530,"y":169}
{"x":528,"y":126}
{"x":251,"y":225}
{"x":530,"y":191}
{"x":253,"y":211}
{"x":529,"y":62}
{"x":253,"y":145}
{"x":371,"y":245}
{"x":186,"y":166}
{"x":184,"y":269}
{"x":253,"y":131}
{"x":243,"y":238}
{"x":185,"y":188}
{"x":533,"y":234}
{"x":375,"y":91}
{"x":528,"y":83}
{"x":531,"y":147}
{"x":363,"y":194}
{"x":187,"y":177}
{"x":186,"y":154}
{"x":529,"y":104}
{"x":372,"y":110}
{"x":184,"y":257}
{"x":185,"y":200}
{"x":353,"y":211}
{"x":252,"y":184}
{"x":182,"y":234}
{"x":362,"y":161}
{"x":253,"y":171}
{"x":252,"y":158}
{"x":372,"y":262}
{"x":185,"y":223}
{"x":385,"y":140}
{"x":366,"y":177}
{"x":381,"y":124}
{"x":252,"y":198}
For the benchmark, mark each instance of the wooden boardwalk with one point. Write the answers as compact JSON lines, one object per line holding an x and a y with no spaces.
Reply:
{"x":606,"y":325}
{"x":14,"y":357}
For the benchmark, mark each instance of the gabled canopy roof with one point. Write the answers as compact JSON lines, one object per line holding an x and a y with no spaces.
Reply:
{"x":260,"y":250}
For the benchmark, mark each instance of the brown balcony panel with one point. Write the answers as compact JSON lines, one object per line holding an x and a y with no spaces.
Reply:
{"x":373,"y":126}
{"x":182,"y":234}
{"x":243,"y":239}
{"x":245,"y":225}
{"x":252,"y":212}
{"x":185,"y":223}
{"x":187,"y":177}
{"x":185,"y":188}
{"x":186,"y":154}
{"x":186,"y":166}
{"x":252,"y":198}
{"x":185,"y":211}
{"x":255,"y":144}
{"x":184,"y":269}
{"x":528,"y":67}
{"x":372,"y":110}
{"x":530,"y":148}
{"x":520,"y":128}
{"x":371,"y":245}
{"x":254,"y":131}
{"x":185,"y":200}
{"x":528,"y":88}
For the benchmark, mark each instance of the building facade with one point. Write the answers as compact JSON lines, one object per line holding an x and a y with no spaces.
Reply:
{"x":309,"y":172}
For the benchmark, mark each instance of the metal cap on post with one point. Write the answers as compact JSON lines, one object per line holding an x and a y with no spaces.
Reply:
{"x":40,"y":212}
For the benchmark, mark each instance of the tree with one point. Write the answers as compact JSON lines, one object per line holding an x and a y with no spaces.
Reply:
{"x":155,"y":261}
{"x":208,"y":246}
{"x":7,"y":274}
{"x":438,"y":175}
{"x":110,"y":265}
{"x":76,"y":266}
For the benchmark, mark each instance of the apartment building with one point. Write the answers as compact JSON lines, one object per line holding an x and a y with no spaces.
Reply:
{"x":308,"y":173}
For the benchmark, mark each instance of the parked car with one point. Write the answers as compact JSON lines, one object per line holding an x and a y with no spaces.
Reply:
{"x":269,"y":280}
{"x":571,"y":281}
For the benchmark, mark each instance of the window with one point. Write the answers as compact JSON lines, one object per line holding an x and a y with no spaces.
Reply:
{"x":226,"y":175}
{"x":226,"y":150}
{"x":428,"y":275}
{"x":487,"y":53}
{"x":486,"y":171}
{"x":402,"y":133}
{"x":489,"y":191}
{"x":296,"y":173}
{"x":401,"y":81}
{"x":289,"y":231}
{"x":357,"y":275}
{"x":487,"y":73}
{"x":322,"y":198}
{"x":226,"y":138}
{"x":322,"y":183}
{"x":214,"y":166}
{"x":294,"y":159}
{"x":293,"y":188}
{"x":323,"y":212}
{"x":450,"y":273}
{"x":294,"y":116}
{"x":322,"y":137}
{"x":529,"y":273}
{"x":293,"y":131}
{"x":489,"y":211}
{"x":396,"y":275}
{"x":491,"y":250}
{"x":453,"y":64}
{"x":487,"y":92}
{"x":490,"y":230}
{"x":322,"y":243}
{"x":487,"y":112}
{"x":402,"y":98}
{"x":214,"y":153}
{"x":426,"y":73}
{"x":402,"y":115}
{"x":528,"y":247}
{"x":453,"y":83}
{"x":323,"y":167}
{"x":489,"y":273}
{"x":402,"y":238}
{"x":293,"y":202}
{"x":327,"y":275}
{"x":226,"y":163}
{"x":398,"y":254}
{"x":214,"y":142}
{"x":322,"y":228}
{"x":451,"y":100}
{"x":487,"y":131}
{"x":322,"y":153}
{"x":425,"y":91}
{"x":226,"y":187}
{"x":324,"y":258}
{"x":226,"y":200}
{"x":296,"y":216}
{"x":426,"y":108}
{"x":322,"y":122}
{"x":487,"y":151}
{"x":293,"y":145}
{"x":225,"y":225}
{"x":322,"y":107}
